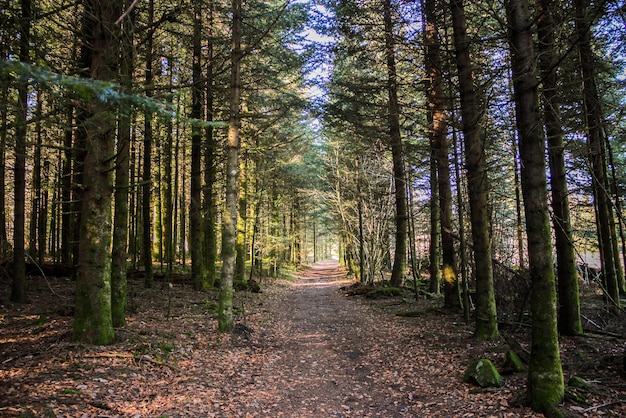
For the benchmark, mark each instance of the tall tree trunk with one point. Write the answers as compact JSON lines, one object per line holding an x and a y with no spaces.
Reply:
{"x":35,"y":192}
{"x":210,"y":164}
{"x":146,"y":198}
{"x":362,"y":276}
{"x":434,"y":285}
{"x":242,"y":221}
{"x":66,"y":189}
{"x":93,"y":320}
{"x":486,"y":318}
{"x":569,"y":299}
{"x":18,"y":289}
{"x":397,"y":154}
{"x":198,"y":277}
{"x":4,"y":113}
{"x":545,"y":376}
{"x":438,"y":132}
{"x":122,"y":182}
{"x":4,"y":96}
{"x":597,"y":156}
{"x":166,"y":183}
{"x":229,"y":232}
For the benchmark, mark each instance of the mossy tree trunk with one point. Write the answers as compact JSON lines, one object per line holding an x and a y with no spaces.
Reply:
{"x":569,"y":299}
{"x":471,"y":113}
{"x":93,"y":320}
{"x":229,"y":232}
{"x":545,"y":375}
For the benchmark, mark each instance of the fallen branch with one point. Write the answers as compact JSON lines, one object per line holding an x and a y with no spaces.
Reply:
{"x":604,"y":405}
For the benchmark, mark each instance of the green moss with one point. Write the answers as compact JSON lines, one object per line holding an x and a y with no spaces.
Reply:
{"x":512,"y":362}
{"x":383,"y":292}
{"x":483,"y":373}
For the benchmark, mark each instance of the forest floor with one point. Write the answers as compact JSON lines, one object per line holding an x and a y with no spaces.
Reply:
{"x":301,"y":349}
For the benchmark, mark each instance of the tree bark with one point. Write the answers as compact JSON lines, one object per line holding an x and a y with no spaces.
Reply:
{"x":399,"y":261}
{"x":229,"y":232}
{"x":569,"y":299}
{"x":18,"y":288}
{"x":146,"y":198}
{"x":122,"y":182}
{"x":438,"y":132}
{"x":93,"y":320}
{"x":198,"y":277}
{"x":545,"y":376}
{"x":210,"y":169}
{"x":471,"y":111}
{"x":597,"y":157}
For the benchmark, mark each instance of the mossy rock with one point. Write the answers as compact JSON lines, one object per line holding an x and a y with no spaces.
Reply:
{"x":512,"y":362}
{"x":483,"y":373}
{"x":578,"y":383}
{"x":383,"y":292}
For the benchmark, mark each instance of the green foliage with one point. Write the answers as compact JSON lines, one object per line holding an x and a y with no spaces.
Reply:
{"x":87,"y":89}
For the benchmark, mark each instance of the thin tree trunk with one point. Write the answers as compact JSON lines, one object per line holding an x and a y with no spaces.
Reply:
{"x":362,"y":276}
{"x":66,"y":189}
{"x":242,"y":221}
{"x":122,"y":183}
{"x":4,"y":97}
{"x":168,"y":209}
{"x":146,"y":198}
{"x":486,"y":318}
{"x":545,"y":376}
{"x":210,"y":164}
{"x":198,"y":277}
{"x":567,"y":274}
{"x":18,"y":289}
{"x":399,"y":261}
{"x":35,"y":191}
{"x":597,"y":156}
{"x":229,"y":233}
{"x":462,"y":241}
{"x":435,"y":227}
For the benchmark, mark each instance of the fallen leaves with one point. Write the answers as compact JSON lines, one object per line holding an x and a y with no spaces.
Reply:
{"x":305,"y":351}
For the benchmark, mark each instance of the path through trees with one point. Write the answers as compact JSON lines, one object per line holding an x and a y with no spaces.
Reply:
{"x":299,"y":349}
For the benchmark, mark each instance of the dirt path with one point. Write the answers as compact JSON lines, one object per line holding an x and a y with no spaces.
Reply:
{"x":305,"y":350}
{"x":333,"y":356}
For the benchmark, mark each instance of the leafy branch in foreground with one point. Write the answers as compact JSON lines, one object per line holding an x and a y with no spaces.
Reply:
{"x":89,"y":89}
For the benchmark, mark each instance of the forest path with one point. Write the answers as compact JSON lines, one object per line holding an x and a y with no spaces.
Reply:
{"x":333,"y":356}
{"x":305,"y":351}
{"x":321,"y":341}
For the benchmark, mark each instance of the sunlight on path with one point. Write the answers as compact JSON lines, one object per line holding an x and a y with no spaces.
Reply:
{"x":323,"y":274}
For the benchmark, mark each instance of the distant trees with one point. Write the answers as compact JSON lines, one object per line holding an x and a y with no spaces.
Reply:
{"x":433,"y":89}
{"x":118,"y":126}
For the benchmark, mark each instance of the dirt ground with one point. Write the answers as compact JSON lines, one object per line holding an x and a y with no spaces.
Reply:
{"x":301,"y":349}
